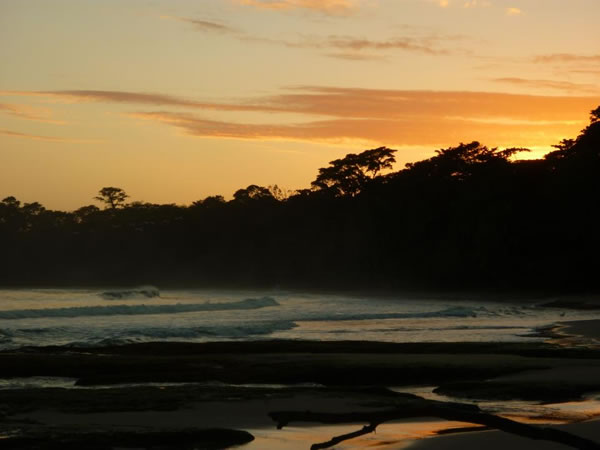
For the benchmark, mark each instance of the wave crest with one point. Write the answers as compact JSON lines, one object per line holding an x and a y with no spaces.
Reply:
{"x":457,"y":311}
{"x":134,"y":310}
{"x":141,"y":292}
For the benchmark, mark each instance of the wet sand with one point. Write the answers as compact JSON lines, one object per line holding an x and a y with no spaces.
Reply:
{"x":588,"y":329}
{"x":341,"y":377}
{"x":582,"y":332}
{"x":498,"y":440}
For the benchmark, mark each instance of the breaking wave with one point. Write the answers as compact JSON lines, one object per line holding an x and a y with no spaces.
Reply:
{"x":141,"y":292}
{"x":134,"y":310}
{"x":82,"y":337}
{"x":458,"y":311}
{"x":224,"y":331}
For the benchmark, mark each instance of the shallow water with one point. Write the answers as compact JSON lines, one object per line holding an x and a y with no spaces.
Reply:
{"x":392,"y":435}
{"x":521,"y":410}
{"x":84,"y":317}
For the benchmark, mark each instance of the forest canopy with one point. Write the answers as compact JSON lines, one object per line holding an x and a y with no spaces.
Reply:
{"x":469,"y":217}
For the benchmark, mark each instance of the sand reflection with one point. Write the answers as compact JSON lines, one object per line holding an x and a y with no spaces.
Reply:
{"x":392,"y":435}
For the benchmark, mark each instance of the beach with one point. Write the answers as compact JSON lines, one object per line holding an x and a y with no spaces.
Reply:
{"x":237,"y":386}
{"x":198,"y":369}
{"x":299,"y":224}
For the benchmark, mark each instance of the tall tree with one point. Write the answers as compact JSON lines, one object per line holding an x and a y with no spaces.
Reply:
{"x":595,"y":115}
{"x":349,"y":175}
{"x":253,"y":192}
{"x":112,"y":197}
{"x":462,"y":161}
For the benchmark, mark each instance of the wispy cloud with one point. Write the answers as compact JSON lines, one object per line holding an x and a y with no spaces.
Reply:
{"x":331,"y":7}
{"x":566,"y":58}
{"x":356,"y":102}
{"x":412,"y":40}
{"x":202,"y":25}
{"x":565,"y":86}
{"x":462,"y":3}
{"x":35,"y":137}
{"x":402,"y":118}
{"x":419,"y":45}
{"x":513,"y":12}
{"x":587,"y":71}
{"x":431,"y":44}
{"x":70,"y":96}
{"x":392,"y":117}
{"x":476,"y":4}
{"x":355,"y":56}
{"x":29,"y":113}
{"x":409,"y":131}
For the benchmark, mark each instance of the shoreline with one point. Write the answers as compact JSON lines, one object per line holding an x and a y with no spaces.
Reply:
{"x":547,"y":298}
{"x":574,"y":333}
{"x":499,"y":440}
{"x":352,"y":376}
{"x":588,"y":329}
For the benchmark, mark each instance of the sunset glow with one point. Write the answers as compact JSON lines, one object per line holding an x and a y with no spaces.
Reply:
{"x":178,"y":100}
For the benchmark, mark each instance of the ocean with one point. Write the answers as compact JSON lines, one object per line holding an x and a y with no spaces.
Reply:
{"x":92,"y":317}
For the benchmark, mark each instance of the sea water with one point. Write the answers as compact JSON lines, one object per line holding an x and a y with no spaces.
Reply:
{"x":90,"y":317}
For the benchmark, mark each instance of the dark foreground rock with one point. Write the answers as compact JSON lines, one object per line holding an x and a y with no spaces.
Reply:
{"x":546,"y":392}
{"x":210,"y":439}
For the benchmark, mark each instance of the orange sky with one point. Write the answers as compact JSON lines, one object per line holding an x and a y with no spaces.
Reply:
{"x":174,"y":100}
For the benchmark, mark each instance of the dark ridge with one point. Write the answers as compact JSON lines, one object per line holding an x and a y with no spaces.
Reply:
{"x":152,"y":349}
{"x":468,"y":218}
{"x":548,"y":392}
{"x":287,"y":362}
{"x":210,"y":439}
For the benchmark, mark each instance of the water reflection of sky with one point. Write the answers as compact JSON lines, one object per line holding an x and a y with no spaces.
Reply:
{"x":392,"y":435}
{"x":401,"y":434}
{"x":523,"y":411}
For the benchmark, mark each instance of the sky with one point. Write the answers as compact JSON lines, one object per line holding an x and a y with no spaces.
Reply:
{"x":176,"y":100}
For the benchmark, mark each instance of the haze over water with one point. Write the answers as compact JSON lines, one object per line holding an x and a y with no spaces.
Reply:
{"x":85,"y":317}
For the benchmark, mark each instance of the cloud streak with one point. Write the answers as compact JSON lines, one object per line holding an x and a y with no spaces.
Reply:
{"x":567,"y":58}
{"x":356,"y":102}
{"x":125,"y":97}
{"x":405,"y":43}
{"x":28,"y":113}
{"x":428,"y":44}
{"x":390,"y":117}
{"x":565,"y":86}
{"x":403,"y":118}
{"x":202,"y":25}
{"x":35,"y":137}
{"x":513,"y":12}
{"x":330,"y":7}
{"x":355,"y":56}
{"x":411,"y":131}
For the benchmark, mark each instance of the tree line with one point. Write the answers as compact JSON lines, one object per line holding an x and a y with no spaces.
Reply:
{"x":470,"y":217}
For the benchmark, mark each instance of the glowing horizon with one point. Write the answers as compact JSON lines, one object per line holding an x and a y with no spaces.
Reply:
{"x":175,"y":100}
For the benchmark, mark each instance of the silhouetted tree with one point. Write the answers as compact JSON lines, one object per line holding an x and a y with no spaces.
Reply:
{"x":85,"y":212}
{"x":595,"y":115}
{"x":210,"y":201}
{"x":33,"y":209}
{"x":112,"y":197}
{"x":253,"y":192}
{"x":349,"y":175}
{"x":461,"y":161}
{"x":468,"y":217}
{"x":280,"y":194}
{"x":581,"y":153}
{"x":11,"y":202}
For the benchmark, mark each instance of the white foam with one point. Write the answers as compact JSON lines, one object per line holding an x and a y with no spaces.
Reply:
{"x":133,"y":310}
{"x":141,"y":292}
